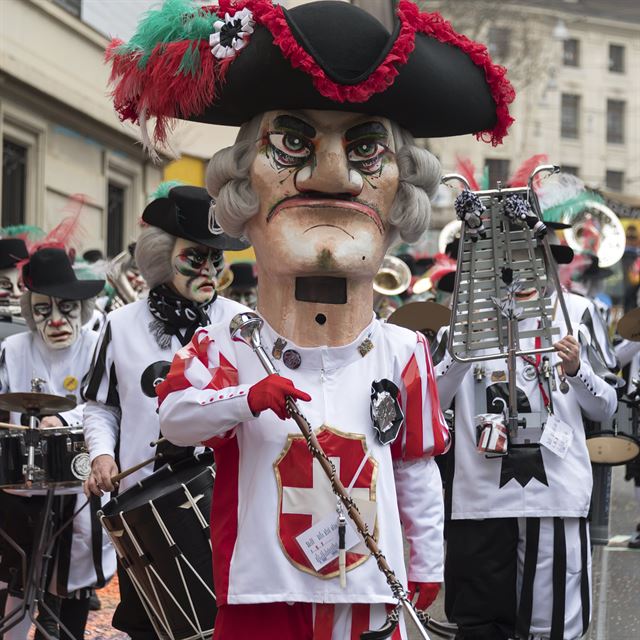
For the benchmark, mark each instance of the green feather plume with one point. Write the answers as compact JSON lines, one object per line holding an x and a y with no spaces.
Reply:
{"x":30,"y":231}
{"x":565,"y":211}
{"x":175,"y":20}
{"x":163,"y":189}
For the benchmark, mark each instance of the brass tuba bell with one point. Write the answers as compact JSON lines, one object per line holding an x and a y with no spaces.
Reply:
{"x":393,"y":277}
{"x":224,"y":279}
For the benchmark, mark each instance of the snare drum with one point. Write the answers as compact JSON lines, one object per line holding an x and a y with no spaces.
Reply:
{"x":65,"y":457}
{"x":616,"y":441}
{"x":160,"y":529}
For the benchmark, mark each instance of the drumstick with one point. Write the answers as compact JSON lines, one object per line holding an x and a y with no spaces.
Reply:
{"x":130,"y":470}
{"x":8,"y":425}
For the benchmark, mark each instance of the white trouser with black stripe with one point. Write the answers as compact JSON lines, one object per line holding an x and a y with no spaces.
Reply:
{"x":554,"y":578}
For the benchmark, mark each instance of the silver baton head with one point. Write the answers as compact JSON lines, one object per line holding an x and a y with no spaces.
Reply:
{"x":245,"y":327}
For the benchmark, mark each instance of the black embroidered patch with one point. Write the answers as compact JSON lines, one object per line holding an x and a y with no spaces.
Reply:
{"x":386,"y":413}
{"x":152,"y":376}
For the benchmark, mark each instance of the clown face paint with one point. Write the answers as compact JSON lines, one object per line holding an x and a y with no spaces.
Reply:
{"x":326,"y":181}
{"x":10,"y":288}
{"x":57,"y":320}
{"x":195,"y":268}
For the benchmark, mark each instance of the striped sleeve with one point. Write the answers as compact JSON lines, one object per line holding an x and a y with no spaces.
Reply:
{"x":424,"y":432}
{"x":200,"y":399}
{"x":102,"y":383}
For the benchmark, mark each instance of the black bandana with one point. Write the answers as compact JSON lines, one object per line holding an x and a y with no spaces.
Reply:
{"x":175,"y":315}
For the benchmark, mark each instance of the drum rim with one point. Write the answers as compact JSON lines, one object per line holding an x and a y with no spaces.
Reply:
{"x":116,"y":506}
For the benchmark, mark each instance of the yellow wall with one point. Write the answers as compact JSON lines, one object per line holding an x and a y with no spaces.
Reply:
{"x":188,"y":170}
{"x":192,"y":171}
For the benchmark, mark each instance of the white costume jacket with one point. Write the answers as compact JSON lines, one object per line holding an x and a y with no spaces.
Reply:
{"x":540,"y":484}
{"x":24,"y":357}
{"x":121,"y":417}
{"x":269,"y":490}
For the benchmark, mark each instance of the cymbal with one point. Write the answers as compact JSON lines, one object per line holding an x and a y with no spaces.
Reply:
{"x":42,"y":404}
{"x":426,"y":317}
{"x":629,"y":325}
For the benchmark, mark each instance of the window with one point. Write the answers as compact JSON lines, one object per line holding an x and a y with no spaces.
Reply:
{"x":74,"y":7}
{"x":571,"y":52}
{"x":498,"y":170}
{"x":615,"y":180}
{"x":499,"y":38}
{"x":615,"y":121}
{"x":116,"y":195}
{"x":570,"y":116}
{"x":616,"y":58}
{"x":570,"y":169}
{"x":14,"y":182}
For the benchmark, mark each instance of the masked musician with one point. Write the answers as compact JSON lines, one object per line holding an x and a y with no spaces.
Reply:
{"x":518,"y":558}
{"x":179,"y":258}
{"x":322,"y":179}
{"x":54,"y":356}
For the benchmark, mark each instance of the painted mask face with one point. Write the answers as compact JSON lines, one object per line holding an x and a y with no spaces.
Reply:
{"x":57,"y":320}
{"x":195,"y":269}
{"x":10,"y":287}
{"x":326,"y":181}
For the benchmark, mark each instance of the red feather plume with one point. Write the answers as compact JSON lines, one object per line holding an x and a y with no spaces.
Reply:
{"x":467,"y":170}
{"x":521,"y":177}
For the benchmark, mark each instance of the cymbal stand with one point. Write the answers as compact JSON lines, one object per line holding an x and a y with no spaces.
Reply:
{"x":34,"y":572}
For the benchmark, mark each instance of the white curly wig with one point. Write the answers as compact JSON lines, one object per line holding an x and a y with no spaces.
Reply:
{"x":153,"y":255}
{"x":229,"y":183}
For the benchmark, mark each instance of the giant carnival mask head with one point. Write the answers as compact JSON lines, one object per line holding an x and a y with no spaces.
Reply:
{"x":177,"y":248}
{"x":56,"y":304}
{"x":12,"y":251}
{"x":324,"y":174}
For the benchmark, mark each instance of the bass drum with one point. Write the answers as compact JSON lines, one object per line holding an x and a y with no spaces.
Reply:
{"x":616,"y":441}
{"x":160,"y":529}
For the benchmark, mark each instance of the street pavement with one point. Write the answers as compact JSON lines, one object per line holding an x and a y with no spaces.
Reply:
{"x":616,"y":573}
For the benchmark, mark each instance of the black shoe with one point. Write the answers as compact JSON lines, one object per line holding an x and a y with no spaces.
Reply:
{"x":634,"y":543}
{"x":94,"y":601}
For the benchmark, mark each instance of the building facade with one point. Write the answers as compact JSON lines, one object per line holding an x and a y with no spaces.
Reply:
{"x":59,"y":133}
{"x":574,"y":64}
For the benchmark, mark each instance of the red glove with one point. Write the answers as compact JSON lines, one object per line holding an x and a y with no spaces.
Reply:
{"x":427,"y":593}
{"x":271,"y":393}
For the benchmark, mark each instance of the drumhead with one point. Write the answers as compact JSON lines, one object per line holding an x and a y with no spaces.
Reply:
{"x":612,"y":449}
{"x":161,"y":483}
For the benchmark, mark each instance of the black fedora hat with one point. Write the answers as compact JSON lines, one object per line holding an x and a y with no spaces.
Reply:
{"x":12,"y":251}
{"x":227,"y":62}
{"x":49,"y":271}
{"x":184,"y":213}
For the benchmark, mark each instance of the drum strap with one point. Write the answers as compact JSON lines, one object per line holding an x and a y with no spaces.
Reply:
{"x":95,"y":505}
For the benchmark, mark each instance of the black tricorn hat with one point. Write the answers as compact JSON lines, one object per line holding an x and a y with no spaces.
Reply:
{"x":184,"y":213}
{"x":594,"y":271}
{"x":226,"y":63}
{"x":561,"y":253}
{"x":49,"y":271}
{"x":244,"y":276}
{"x":12,"y":251}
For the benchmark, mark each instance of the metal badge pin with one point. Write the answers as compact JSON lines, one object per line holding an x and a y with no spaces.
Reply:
{"x":278,"y":348}
{"x":529,"y":373}
{"x":364,"y":347}
{"x":291,"y":358}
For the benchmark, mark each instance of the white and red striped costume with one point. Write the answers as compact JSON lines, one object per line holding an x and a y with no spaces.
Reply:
{"x":267,"y":489}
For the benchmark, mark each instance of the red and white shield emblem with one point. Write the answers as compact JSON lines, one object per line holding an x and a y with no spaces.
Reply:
{"x":305,"y":495}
